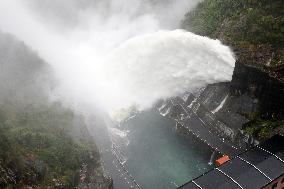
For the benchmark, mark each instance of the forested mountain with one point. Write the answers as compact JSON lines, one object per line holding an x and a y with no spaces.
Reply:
{"x":253,"y":28}
{"x":42,"y":143}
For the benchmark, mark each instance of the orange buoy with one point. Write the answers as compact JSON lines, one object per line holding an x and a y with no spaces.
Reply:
{"x":221,"y":160}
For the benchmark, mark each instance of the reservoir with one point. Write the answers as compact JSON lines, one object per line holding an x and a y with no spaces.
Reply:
{"x":157,"y":156}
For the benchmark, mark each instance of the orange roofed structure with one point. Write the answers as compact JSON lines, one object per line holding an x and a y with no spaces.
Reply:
{"x":221,"y":160}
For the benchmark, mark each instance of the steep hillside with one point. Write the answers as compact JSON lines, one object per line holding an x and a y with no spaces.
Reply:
{"x":255,"y":32}
{"x":253,"y":28}
{"x":42,"y":143}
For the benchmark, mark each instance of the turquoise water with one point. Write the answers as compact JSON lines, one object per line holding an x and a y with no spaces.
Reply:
{"x":158,"y":158}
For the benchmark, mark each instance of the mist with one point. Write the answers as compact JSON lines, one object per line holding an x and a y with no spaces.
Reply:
{"x":114,"y":54}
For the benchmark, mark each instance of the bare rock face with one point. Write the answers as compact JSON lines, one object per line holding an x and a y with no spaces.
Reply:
{"x":267,"y":90}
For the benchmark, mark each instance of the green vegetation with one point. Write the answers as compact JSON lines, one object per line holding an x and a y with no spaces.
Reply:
{"x":42,"y":143}
{"x":39,"y":147}
{"x":254,"y":28}
{"x":262,"y":129}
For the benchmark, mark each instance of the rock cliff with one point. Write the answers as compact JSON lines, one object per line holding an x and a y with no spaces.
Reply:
{"x":253,"y":101}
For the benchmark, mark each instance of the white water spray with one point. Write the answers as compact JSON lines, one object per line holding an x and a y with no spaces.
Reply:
{"x":160,"y":65}
{"x":120,"y":59}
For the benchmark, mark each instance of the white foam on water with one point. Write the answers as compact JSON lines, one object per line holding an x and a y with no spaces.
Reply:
{"x":118,"y":132}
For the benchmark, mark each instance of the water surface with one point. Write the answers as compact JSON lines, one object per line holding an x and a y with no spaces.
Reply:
{"x":158,"y":157}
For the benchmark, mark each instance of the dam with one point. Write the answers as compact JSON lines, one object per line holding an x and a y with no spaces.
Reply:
{"x":147,"y":150}
{"x":260,"y":167}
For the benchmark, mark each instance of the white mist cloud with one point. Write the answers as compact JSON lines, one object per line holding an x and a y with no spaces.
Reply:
{"x":110,"y":53}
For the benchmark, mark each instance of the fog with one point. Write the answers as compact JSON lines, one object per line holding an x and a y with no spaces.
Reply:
{"x":114,"y":54}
